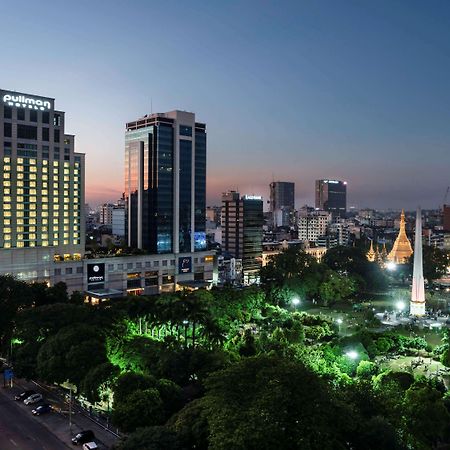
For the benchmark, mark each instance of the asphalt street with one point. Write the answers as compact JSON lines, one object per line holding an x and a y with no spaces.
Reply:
{"x":19,"y":429}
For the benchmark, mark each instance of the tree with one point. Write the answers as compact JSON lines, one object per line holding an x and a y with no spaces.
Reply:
{"x":150,"y":438}
{"x":70,"y":354}
{"x":366,"y":369}
{"x":271,"y":402}
{"x":140,"y":409}
{"x":97,"y":383}
{"x":336,"y":287}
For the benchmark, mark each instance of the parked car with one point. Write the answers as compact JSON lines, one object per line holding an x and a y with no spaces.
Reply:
{"x":23,"y":395}
{"x":90,"y":446}
{"x":32,"y":399}
{"x":42,"y":409}
{"x":83,"y":437}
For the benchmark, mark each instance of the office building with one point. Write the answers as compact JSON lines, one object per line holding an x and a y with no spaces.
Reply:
{"x":242,"y":231}
{"x":42,"y":215}
{"x":106,"y":214}
{"x":282,"y":203}
{"x":331,"y":195}
{"x":313,"y":224}
{"x":165,"y":183}
{"x":446,"y":218}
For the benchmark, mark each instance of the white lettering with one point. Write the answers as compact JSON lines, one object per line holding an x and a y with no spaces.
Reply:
{"x":21,"y":101}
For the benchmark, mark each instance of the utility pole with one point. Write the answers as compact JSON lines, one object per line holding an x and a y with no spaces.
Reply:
{"x":70,"y":411}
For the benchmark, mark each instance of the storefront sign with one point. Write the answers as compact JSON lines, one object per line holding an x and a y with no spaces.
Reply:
{"x":22,"y":101}
{"x":96,"y":273}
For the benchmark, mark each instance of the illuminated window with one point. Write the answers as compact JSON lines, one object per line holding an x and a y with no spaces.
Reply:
{"x":32,"y":244}
{"x":44,"y":214}
{"x":32,"y":229}
{"x":32,"y":183}
{"x":55,"y":242}
{"x":66,"y":242}
{"x":44,"y":243}
{"x":44,"y":195}
{"x":7,"y":168}
{"x":66,"y":186}
{"x":66,"y":200}
{"x":44,"y":236}
{"x":75,"y":235}
{"x":7,"y":206}
{"x":7,"y":159}
{"x":33,"y":169}
{"x":66,"y":178}
{"x":56,"y":206}
{"x":32,"y":221}
{"x":66,"y":164}
{"x":18,"y":213}
{"x":45,"y":221}
{"x":33,"y":213}
{"x":19,"y":198}
{"x":44,"y":170}
{"x":6,"y":221}
{"x":20,"y":229}
{"x":44,"y":185}
{"x":7,"y":237}
{"x":7,"y":245}
{"x":19,"y":168}
{"x":45,"y":177}
{"x":56,"y":163}
{"x":45,"y":162}
{"x":32,"y":161}
{"x":66,"y":171}
{"x":66,"y":235}
{"x":20,"y":237}
{"x":55,"y":235}
{"x":6,"y":199}
{"x":44,"y":206}
{"x":33,"y":199}
{"x":19,"y":160}
{"x":8,"y":175}
{"x":66,"y":221}
{"x":7,"y":183}
{"x":55,"y":171}
{"x":32,"y":206}
{"x":55,"y":221}
{"x":7,"y":230}
{"x":32,"y":176}
{"x":66,"y":193}
{"x":19,"y":244}
{"x":6,"y":191}
{"x":32,"y":236}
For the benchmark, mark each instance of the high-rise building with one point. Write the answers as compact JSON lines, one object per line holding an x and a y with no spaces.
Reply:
{"x":42,"y":178}
{"x":331,"y":195}
{"x":242,"y":230}
{"x":282,"y":203}
{"x":446,"y":218}
{"x":165,"y":183}
{"x":313,"y":224}
{"x":106,"y":214}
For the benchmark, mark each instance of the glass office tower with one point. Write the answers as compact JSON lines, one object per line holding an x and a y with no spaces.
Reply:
{"x":331,"y":195}
{"x":42,"y":182}
{"x":165,"y":183}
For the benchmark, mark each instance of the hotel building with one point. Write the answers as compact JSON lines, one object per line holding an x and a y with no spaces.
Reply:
{"x":42,"y":187}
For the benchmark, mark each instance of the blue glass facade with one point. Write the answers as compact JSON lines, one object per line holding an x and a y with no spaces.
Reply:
{"x":185,"y":196}
{"x":200,"y":190}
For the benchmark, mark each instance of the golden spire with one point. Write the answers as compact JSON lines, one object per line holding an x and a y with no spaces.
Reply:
{"x":371,"y":255}
{"x":402,"y":249}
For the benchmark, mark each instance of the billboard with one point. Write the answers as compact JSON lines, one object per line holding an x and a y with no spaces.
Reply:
{"x":96,"y":273}
{"x":185,"y":264}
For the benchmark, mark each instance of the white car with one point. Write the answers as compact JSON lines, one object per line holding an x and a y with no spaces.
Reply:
{"x":32,"y":399}
{"x":90,"y":446}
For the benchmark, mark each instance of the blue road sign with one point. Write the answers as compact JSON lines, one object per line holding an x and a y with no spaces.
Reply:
{"x":8,"y":374}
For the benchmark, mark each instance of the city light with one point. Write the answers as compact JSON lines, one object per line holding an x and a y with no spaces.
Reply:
{"x":339,"y":321}
{"x":391,"y":266}
{"x":295,"y":301}
{"x":400,"y":305}
{"x":352,"y":354}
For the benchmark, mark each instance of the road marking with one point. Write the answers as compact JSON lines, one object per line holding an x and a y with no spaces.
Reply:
{"x":13,"y":442}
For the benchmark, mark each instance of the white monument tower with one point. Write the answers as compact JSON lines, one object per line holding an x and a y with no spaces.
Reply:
{"x":417,"y":304}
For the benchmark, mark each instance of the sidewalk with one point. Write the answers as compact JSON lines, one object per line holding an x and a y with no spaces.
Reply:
{"x":58,"y":421}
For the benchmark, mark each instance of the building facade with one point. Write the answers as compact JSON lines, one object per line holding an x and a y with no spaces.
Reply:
{"x":42,"y":215}
{"x":331,"y":195}
{"x":242,"y":231}
{"x":313,"y":224}
{"x":282,"y":203}
{"x":165,"y":183}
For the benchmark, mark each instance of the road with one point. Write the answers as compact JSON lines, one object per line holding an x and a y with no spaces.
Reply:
{"x":20,"y":430}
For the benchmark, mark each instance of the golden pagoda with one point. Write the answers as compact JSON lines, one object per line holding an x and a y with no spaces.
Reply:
{"x":371,"y":254}
{"x":402,"y":249}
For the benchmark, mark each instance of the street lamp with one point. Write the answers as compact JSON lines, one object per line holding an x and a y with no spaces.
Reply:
{"x":295,"y":302}
{"x":352,"y":354}
{"x":339,"y":322}
{"x":400,"y":305}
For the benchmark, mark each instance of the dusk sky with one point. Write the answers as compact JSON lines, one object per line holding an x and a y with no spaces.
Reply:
{"x":354,"y":90}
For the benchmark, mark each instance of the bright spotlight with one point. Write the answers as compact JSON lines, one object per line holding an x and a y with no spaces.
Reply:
{"x":400,"y":305}
{"x":352,"y":354}
{"x":391,"y":266}
{"x":295,"y":301}
{"x":339,"y":321}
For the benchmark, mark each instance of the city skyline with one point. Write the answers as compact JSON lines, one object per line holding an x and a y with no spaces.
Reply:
{"x":308,"y":91}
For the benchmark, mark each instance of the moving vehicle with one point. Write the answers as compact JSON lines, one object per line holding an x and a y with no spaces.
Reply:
{"x":42,"y":409}
{"x":23,"y":395}
{"x":83,"y":437}
{"x":90,"y":446}
{"x":32,"y":399}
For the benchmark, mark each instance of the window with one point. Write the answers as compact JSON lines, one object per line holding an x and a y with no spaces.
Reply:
{"x":185,"y":130}
{"x":7,"y":111}
{"x":68,"y":270}
{"x":57,"y":120}
{"x":56,"y":135}
{"x":45,"y":117}
{"x":7,"y":129}
{"x":33,"y":116}
{"x":20,"y":114}
{"x":45,"y":134}
{"x":79,"y":269}
{"x":26,"y":132}
{"x":57,"y":271}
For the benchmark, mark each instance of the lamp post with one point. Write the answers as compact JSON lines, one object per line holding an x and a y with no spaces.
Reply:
{"x":352,"y":354}
{"x":295,"y":301}
{"x":339,"y":322}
